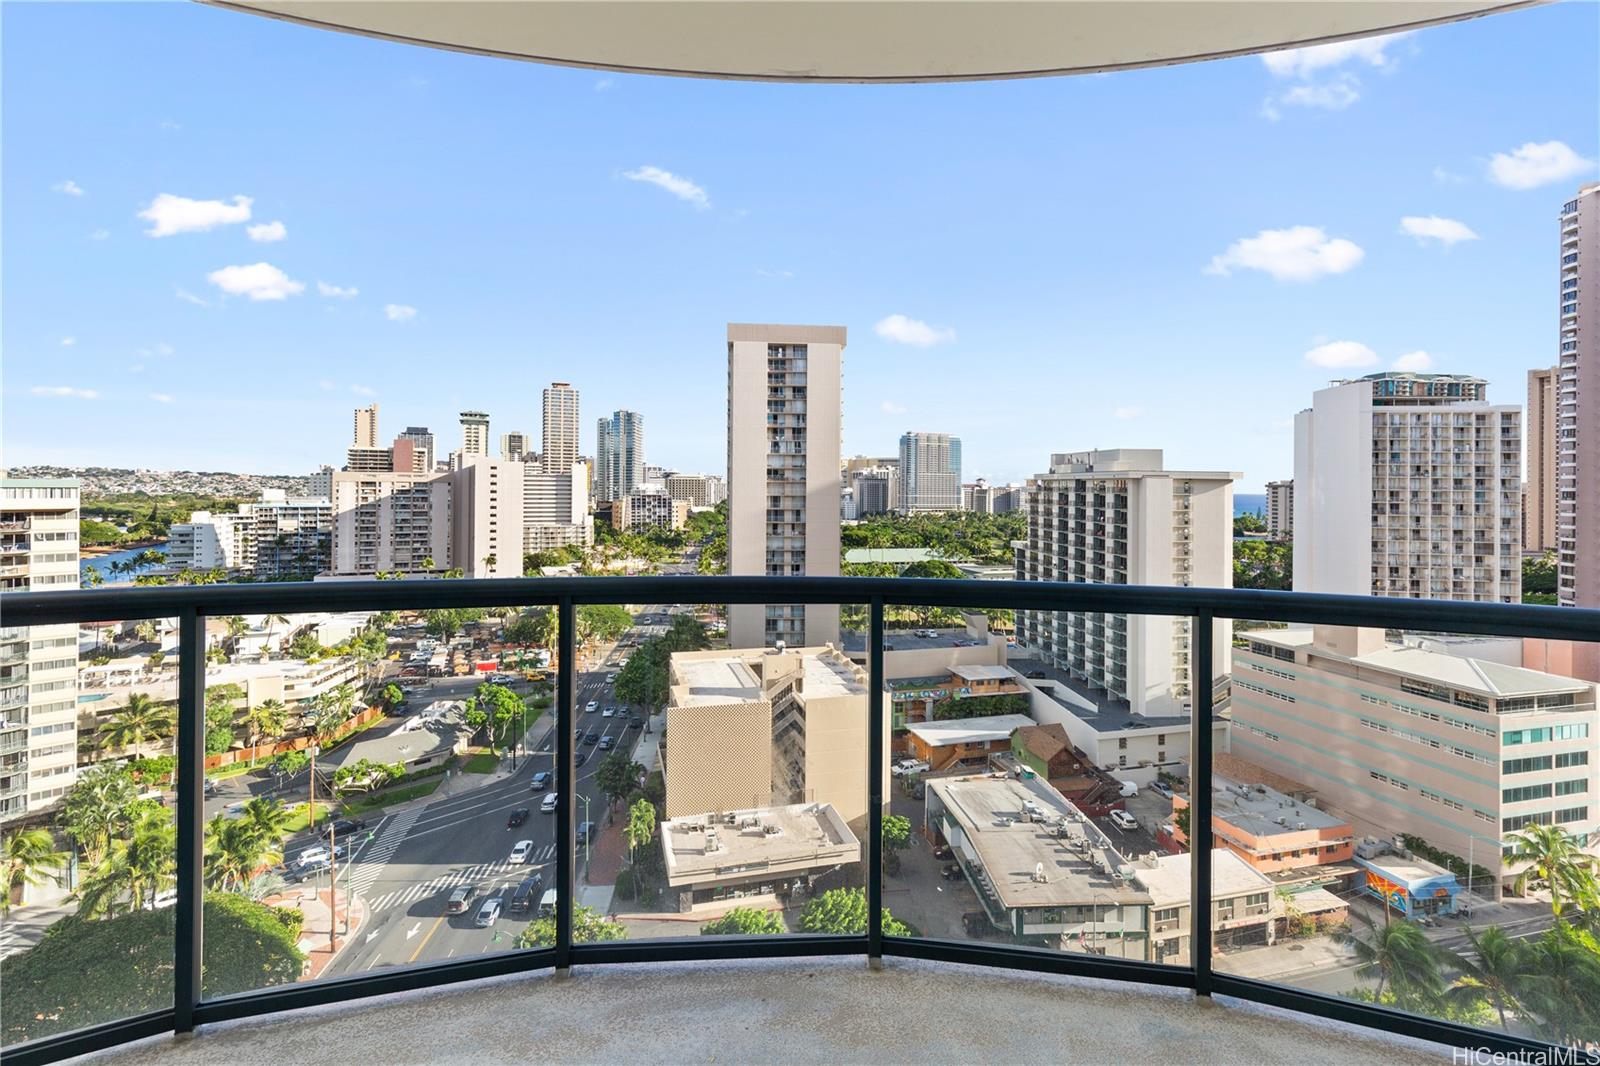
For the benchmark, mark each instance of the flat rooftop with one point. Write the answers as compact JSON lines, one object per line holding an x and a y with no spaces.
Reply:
{"x":1079,"y":864}
{"x":733,"y":676}
{"x":855,"y":640}
{"x":968,"y":730}
{"x":1440,"y":668}
{"x":706,"y":847}
{"x":1257,"y":809}
{"x":1095,"y":708}
{"x":986,"y":672}
{"x":1166,"y":877}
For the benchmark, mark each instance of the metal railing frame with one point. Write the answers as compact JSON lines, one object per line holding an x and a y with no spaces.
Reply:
{"x":1205,"y":607}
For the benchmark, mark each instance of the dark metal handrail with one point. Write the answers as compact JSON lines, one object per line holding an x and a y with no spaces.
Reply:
{"x":192,"y":605}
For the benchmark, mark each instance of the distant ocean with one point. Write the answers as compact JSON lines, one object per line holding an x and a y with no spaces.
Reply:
{"x":1249,"y":503}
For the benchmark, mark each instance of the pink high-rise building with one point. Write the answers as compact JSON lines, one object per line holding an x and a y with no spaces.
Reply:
{"x":1578,"y":404}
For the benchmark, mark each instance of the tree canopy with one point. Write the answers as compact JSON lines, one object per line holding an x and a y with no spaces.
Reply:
{"x":646,"y":677}
{"x":745,"y":921}
{"x":844,"y":910}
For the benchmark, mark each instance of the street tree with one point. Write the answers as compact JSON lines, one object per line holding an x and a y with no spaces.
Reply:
{"x":641,"y":827}
{"x":29,"y":857}
{"x":745,"y":921}
{"x":844,"y":910}
{"x":96,"y":808}
{"x":588,"y":926}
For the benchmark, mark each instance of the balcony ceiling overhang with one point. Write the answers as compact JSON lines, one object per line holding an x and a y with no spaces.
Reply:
{"x":867,"y":40}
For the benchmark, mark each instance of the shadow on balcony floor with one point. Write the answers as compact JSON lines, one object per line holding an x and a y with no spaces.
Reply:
{"x":819,"y":1010}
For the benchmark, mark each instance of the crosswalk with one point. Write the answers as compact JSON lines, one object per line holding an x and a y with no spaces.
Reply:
{"x":483,"y":872}
{"x":368,"y":865}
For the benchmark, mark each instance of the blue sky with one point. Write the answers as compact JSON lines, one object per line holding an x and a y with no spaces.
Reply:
{"x":1165,"y":258}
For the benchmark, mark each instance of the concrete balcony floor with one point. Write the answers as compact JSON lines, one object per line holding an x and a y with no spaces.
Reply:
{"x":830,"y":1010}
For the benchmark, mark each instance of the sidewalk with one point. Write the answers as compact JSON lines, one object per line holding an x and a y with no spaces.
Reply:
{"x":315,"y":906}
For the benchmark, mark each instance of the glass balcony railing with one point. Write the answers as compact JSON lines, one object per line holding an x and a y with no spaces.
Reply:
{"x":522,"y":775}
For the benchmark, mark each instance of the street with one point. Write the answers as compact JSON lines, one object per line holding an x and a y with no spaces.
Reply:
{"x":407,"y":867}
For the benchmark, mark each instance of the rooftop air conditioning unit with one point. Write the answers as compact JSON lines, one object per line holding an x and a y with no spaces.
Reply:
{"x":1300,"y":825}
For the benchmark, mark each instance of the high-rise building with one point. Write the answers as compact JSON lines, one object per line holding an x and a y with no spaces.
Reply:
{"x":697,"y":490}
{"x":291,"y":536}
{"x":648,"y":508}
{"x":212,"y":542}
{"x":368,"y":460}
{"x":1578,"y":404}
{"x":38,"y":664}
{"x":421,"y":438}
{"x":784,"y":418}
{"x":619,"y":455}
{"x":993,"y":499}
{"x":930,"y":472}
{"x":555,"y":507}
{"x":406,"y":455}
{"x":1539,"y":487}
{"x":876,"y":490}
{"x":1280,"y":508}
{"x":1408,"y":485}
{"x":515,"y":446}
{"x":469,"y":519}
{"x":320,"y":482}
{"x":1116,"y":517}
{"x":366,"y":427}
{"x":560,"y":427}
{"x":474,"y":433}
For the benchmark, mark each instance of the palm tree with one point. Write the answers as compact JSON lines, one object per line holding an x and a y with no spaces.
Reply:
{"x":1399,"y":955}
{"x":92,"y":577}
{"x":141,"y":720}
{"x":334,"y":708}
{"x":136,"y":870}
{"x":94,"y":810}
{"x":268,"y":817}
{"x":1561,"y":986}
{"x":273,"y":621}
{"x":1492,"y":972}
{"x":266,"y":719}
{"x":28,"y":855}
{"x":146,"y":631}
{"x":235,"y":850}
{"x":1555,"y":858}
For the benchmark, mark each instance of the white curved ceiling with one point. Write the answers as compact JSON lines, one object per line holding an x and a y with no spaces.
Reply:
{"x":866,"y":40}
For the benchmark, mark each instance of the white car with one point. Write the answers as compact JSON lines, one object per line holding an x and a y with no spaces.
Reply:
{"x":610,"y":712}
{"x":520,"y":853}
{"x":1124,"y":820}
{"x":611,"y":679}
{"x":908,"y":766}
{"x":591,"y":707}
{"x":548,"y":804}
{"x":488,"y":914}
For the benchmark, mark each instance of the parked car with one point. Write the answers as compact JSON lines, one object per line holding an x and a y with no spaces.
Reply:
{"x":547,"y":903}
{"x":344,"y":826}
{"x":1037,"y":675}
{"x":516,"y":818}
{"x":540,"y":782}
{"x":1123,"y":820}
{"x":586,"y":832}
{"x":521,"y":853}
{"x":951,"y":871}
{"x":526,"y":894}
{"x":1161,"y":790}
{"x":908,"y":766}
{"x":610,"y":712}
{"x":488,"y":914}
{"x":459,"y":898}
{"x":634,"y":721}
{"x":548,"y":805}
{"x":611,"y":679}
{"x":319,"y":853}
{"x":944,"y":852}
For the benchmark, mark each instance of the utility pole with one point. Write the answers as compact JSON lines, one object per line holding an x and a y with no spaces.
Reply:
{"x":333,"y":887}
{"x":311,"y":796}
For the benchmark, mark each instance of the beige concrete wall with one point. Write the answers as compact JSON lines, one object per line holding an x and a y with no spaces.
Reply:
{"x":719,"y":758}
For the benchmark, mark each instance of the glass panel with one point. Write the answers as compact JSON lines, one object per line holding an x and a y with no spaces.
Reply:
{"x":368,"y":779}
{"x":1401,"y":792}
{"x":1023,"y":783}
{"x":86,"y":791}
{"x":744,"y":810}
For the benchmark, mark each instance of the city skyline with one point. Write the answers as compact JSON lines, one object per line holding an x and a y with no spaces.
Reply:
{"x":1285,"y":279}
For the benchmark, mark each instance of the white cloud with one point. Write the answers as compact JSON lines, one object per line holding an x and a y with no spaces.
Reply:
{"x":266,"y":232}
{"x":363,"y":390}
{"x":681,"y":187}
{"x":170,"y":214}
{"x":1126,"y":414}
{"x":69,"y":187}
{"x":889,"y":407}
{"x":259,"y":281}
{"x":67,"y":342}
{"x":1534,"y":165}
{"x":1446,"y":231}
{"x":1306,"y":62}
{"x":399,"y":312}
{"x":603,"y":84}
{"x":760,"y":273}
{"x":336,"y":292}
{"x":1342,"y":355}
{"x":160,"y":397}
{"x":100,"y":235}
{"x":326,"y":386}
{"x":1335,"y":95}
{"x":156,"y":349}
{"x":188,"y":297}
{"x":66,"y":391}
{"x":1416,"y":362}
{"x":168,"y":124}
{"x":1299,"y":253}
{"x":1447,"y":177}
{"x":903,"y":330}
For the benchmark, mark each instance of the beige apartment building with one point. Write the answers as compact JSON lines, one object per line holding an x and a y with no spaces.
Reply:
{"x":1409,"y":485}
{"x":1578,"y":405}
{"x":1459,"y":751}
{"x":38,"y":664}
{"x":1539,"y":487}
{"x":365,"y":434}
{"x":470,"y":519}
{"x":696,"y":490}
{"x":474,"y":433}
{"x":1280,"y":508}
{"x":752,"y":728}
{"x":783,"y":473}
{"x":560,"y":428}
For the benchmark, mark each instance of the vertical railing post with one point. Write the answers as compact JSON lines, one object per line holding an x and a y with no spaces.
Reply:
{"x":191,"y":819}
{"x":1200,"y":686}
{"x":566,"y":780}
{"x":875,"y":755}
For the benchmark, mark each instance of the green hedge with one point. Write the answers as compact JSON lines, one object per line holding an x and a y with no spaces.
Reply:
{"x":981,"y":706}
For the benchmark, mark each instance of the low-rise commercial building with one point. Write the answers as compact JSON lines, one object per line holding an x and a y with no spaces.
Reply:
{"x":1409,"y":884}
{"x":1270,"y":830}
{"x":1242,"y":901}
{"x":753,"y":858}
{"x":1042,"y":870}
{"x":969,"y":742}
